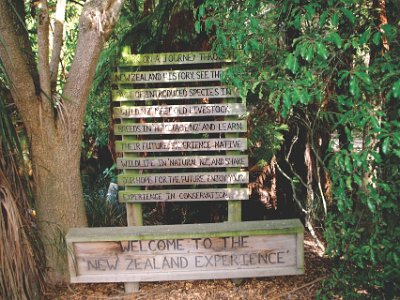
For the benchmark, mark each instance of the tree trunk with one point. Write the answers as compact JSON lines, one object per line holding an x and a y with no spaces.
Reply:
{"x":54,"y":124}
{"x":58,"y":193}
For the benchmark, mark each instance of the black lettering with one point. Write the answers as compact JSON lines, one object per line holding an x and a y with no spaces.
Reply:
{"x":280,"y":258}
{"x":207,"y":243}
{"x":165,"y":263}
{"x":92,"y":265}
{"x":112,"y":266}
{"x":183,"y":262}
{"x":197,"y":261}
{"x":174,"y":262}
{"x":197,"y":242}
{"x":208,"y":261}
{"x":270,"y":260}
{"x":130,"y":265}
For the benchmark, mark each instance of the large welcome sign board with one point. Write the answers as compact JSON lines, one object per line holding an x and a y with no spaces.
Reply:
{"x":182,"y":138}
{"x":187,"y":252}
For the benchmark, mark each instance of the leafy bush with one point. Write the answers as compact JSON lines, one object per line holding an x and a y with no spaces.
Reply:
{"x":329,"y":68}
{"x":102,"y":206}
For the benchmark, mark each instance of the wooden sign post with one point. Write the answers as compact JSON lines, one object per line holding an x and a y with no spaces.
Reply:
{"x":181,"y":140}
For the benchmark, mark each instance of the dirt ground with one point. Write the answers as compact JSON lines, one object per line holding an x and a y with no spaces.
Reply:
{"x":284,"y":287}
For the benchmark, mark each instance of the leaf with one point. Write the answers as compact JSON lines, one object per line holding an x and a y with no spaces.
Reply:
{"x":286,"y":100}
{"x":335,"y":19}
{"x":197,"y":26}
{"x":357,"y":180}
{"x":254,"y":44}
{"x":309,"y":53}
{"x":310,"y":12}
{"x":342,"y":77}
{"x":371,"y":204}
{"x":349,"y":15}
{"x":354,"y":88}
{"x":303,"y":50}
{"x":347,"y":164}
{"x":254,"y":24}
{"x":321,"y":50}
{"x":322,"y":18}
{"x":202,"y":10}
{"x":390,"y":32}
{"x":292,"y":63}
{"x":348,"y":183}
{"x":298,"y":97}
{"x":276,"y":104}
{"x":386,"y":145}
{"x":376,"y":39}
{"x":376,"y":157}
{"x":365,"y":36}
{"x":364,"y":77}
{"x":396,"y":89}
{"x":335,"y":38}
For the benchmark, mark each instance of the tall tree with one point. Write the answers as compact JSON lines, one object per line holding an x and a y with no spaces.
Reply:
{"x":54,"y":121}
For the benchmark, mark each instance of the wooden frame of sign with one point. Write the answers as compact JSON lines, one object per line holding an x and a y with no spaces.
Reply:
{"x":158,"y":147}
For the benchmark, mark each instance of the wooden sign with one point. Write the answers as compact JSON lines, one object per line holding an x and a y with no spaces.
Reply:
{"x":222,"y":194}
{"x":186,"y":252}
{"x":169,"y":93}
{"x":180,"y":127}
{"x":183,"y":178}
{"x":194,"y":110}
{"x":170,"y":76}
{"x":182,"y":145}
{"x":179,"y":162}
{"x":171,"y":58}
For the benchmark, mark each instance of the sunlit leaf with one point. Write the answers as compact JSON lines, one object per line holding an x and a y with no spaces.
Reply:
{"x":292,"y":63}
{"x":349,"y":15}
{"x":376,"y":38}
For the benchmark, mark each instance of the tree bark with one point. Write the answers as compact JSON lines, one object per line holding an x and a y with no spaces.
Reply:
{"x":55,"y":134}
{"x":58,"y":34}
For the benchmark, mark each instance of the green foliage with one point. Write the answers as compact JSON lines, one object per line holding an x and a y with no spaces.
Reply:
{"x":102,"y":206}
{"x":143,"y":32}
{"x":326,"y":67}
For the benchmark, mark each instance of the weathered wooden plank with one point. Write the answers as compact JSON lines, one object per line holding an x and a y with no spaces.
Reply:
{"x":222,"y":194}
{"x":171,"y":58}
{"x":182,"y":145}
{"x":180,"y":127}
{"x":194,"y":110}
{"x":234,"y":206}
{"x":191,"y":251}
{"x":169,"y":76}
{"x":134,"y":215}
{"x":195,"y":178}
{"x":170,"y":93}
{"x":179,"y":162}
{"x":211,"y":275}
{"x":180,"y":231}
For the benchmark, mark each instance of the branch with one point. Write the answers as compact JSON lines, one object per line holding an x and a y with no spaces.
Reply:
{"x":75,"y":2}
{"x":43,"y":49}
{"x":97,"y":20}
{"x":297,"y":200}
{"x":18,"y":61}
{"x":296,"y":289}
{"x":57,"y":42}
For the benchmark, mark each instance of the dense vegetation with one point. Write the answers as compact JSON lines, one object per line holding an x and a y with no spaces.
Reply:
{"x":328,"y":69}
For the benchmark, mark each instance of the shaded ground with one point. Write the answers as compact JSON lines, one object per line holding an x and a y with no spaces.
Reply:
{"x":285,"y":287}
